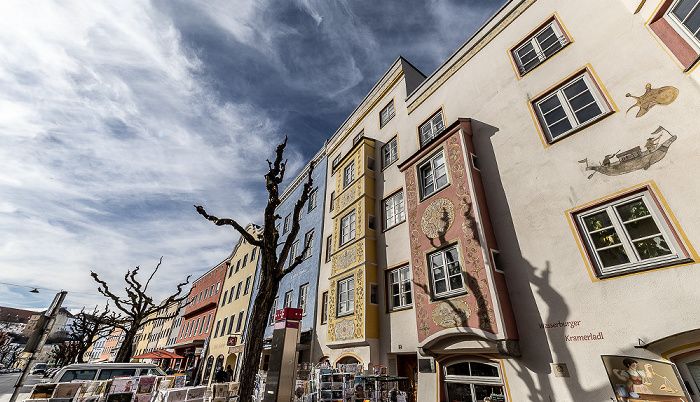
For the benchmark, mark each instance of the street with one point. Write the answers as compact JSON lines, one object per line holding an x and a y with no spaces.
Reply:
{"x":7,"y":384}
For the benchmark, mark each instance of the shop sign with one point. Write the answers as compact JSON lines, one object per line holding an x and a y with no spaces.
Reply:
{"x":638,"y":378}
{"x":231,"y":341}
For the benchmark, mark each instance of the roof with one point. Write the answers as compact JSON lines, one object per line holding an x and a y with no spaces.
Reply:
{"x":9,"y":314}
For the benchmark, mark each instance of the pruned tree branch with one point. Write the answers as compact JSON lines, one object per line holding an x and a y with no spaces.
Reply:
{"x":230,"y":222}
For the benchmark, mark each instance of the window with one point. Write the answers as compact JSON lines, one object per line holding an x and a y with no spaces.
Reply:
{"x":431,"y":128}
{"x":628,"y":234}
{"x":247,"y":285}
{"x":331,"y":206}
{"x":238,"y":265}
{"x":308,"y":244}
{"x":201,"y":326}
{"x":288,"y":299}
{"x":293,"y":252}
{"x":393,"y":210}
{"x":358,"y":137}
{"x":329,"y":247}
{"x":223,"y":299}
{"x":570,"y":106}
{"x":238,"y":289}
{"x":678,"y":26}
{"x":240,"y":322}
{"x":335,"y":164}
{"x":211,"y":291}
{"x":195,"y":326}
{"x":473,"y":381}
{"x":348,"y":174}
{"x":390,"y":152}
{"x":446,"y":272}
{"x":312,"y":200}
{"x":287,"y":220}
{"x":205,"y":293}
{"x":230,"y":323}
{"x":218,"y":325}
{"x":218,"y":285}
{"x":386,"y":114}
{"x":245,"y":260}
{"x":324,"y":307}
{"x":274,"y":310}
{"x":433,"y":175}
{"x":303,"y":296}
{"x":399,"y":292}
{"x":230,"y":296}
{"x":346,"y":296}
{"x":223,"y":328}
{"x":538,"y":47}
{"x":347,"y":228}
{"x":252,"y":254}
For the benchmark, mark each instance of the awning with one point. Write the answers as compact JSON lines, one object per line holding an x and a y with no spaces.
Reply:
{"x":159,"y":354}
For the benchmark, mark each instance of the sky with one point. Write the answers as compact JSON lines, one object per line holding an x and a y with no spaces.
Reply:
{"x":117,"y":117}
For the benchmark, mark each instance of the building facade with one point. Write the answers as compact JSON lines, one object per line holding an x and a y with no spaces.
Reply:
{"x":226,"y":342}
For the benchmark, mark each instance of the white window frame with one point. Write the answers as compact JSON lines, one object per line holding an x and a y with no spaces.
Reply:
{"x":399,"y":284}
{"x":358,"y":137}
{"x":346,"y":296}
{"x":293,"y":252}
{"x":238,"y":290}
{"x":425,"y":175}
{"x":247,"y":285}
{"x":303,"y":297}
{"x":636,"y":261}
{"x":308,"y":242}
{"x":347,"y":228}
{"x":536,"y":43}
{"x":446,"y":276}
{"x":348,"y":174}
{"x":565,"y":104}
{"x":288,"y":298}
{"x":324,"y":307}
{"x":431,"y":128}
{"x":386,"y":114}
{"x":393,"y":210}
{"x":473,"y":381}
{"x":390,"y":152}
{"x":274,"y":310}
{"x":334,"y":165}
{"x":679,"y":25}
{"x":287,"y":221}
{"x":313,"y":196}
{"x":329,"y":247}
{"x":239,"y":324}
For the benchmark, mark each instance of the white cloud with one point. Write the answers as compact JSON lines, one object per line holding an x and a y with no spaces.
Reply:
{"x":110,"y":134}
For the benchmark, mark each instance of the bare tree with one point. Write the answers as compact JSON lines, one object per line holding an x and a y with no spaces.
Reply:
{"x":87,"y":326}
{"x":136,"y":308}
{"x":271,"y":264}
{"x":64,"y":353}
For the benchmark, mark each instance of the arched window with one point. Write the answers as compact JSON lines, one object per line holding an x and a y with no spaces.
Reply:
{"x":472,"y":381}
{"x":207,"y":369}
{"x":219,"y":363}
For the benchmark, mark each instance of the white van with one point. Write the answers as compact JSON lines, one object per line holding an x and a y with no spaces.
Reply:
{"x":104,"y":371}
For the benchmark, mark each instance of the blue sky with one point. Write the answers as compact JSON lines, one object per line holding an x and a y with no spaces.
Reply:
{"x":117,"y":117}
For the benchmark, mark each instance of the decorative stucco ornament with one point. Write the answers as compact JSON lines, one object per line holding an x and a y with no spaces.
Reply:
{"x":635,"y":158}
{"x":344,"y":329}
{"x":437,"y":218}
{"x":454,"y":313}
{"x":653,"y":97}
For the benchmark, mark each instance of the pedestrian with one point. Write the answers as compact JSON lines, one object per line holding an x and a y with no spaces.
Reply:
{"x":229,"y":373}
{"x":220,"y":376}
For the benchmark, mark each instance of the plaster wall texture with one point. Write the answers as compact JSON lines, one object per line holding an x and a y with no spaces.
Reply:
{"x":530,"y":187}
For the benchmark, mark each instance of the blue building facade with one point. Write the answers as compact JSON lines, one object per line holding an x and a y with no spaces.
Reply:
{"x":299,"y":288}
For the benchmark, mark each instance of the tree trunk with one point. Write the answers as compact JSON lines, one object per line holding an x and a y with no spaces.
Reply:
{"x":124,"y":354}
{"x":254,"y":340}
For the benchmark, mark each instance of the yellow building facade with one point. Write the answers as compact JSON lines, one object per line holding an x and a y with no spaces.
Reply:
{"x":225,"y":345}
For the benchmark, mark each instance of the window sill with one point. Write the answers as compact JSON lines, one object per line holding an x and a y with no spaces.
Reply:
{"x":449,"y":295}
{"x":393,"y":226}
{"x":402,"y":308}
{"x":425,"y":197}
{"x":385,"y":167}
{"x":638,"y":268}
{"x":345,"y":314}
{"x":578,"y":128}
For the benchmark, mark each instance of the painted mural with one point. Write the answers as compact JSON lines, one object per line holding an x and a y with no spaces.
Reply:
{"x":653,"y":97}
{"x":445,"y":220}
{"x":635,"y":158}
{"x":634,"y":378}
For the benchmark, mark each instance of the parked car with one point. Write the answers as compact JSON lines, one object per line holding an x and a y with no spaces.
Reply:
{"x":38,"y":368}
{"x":103,"y":371}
